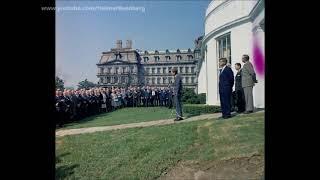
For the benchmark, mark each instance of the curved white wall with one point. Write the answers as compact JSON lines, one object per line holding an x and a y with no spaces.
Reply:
{"x":231,"y":16}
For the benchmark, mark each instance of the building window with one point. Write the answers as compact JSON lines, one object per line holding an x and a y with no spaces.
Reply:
{"x":190,"y":57}
{"x":179,"y":58}
{"x":168,"y":58}
{"x":158,"y":70}
{"x":153,"y":81}
{"x":148,"y":70}
{"x":164,"y":70}
{"x":108,"y":80}
{"x":156,"y":58}
{"x":170,"y":69}
{"x":192,"y":69}
{"x":189,"y":50}
{"x":132,"y":69}
{"x":109,"y":70}
{"x":224,"y":47}
{"x":123,"y":69}
{"x":170,"y":80}
{"x":158,"y":81}
{"x":153,"y":70}
{"x":167,"y":51}
{"x":117,"y":70}
{"x":145,"y":59}
{"x":180,"y":69}
{"x":116,"y":79}
{"x":156,"y":52}
{"x":187,"y":69}
{"x":178,"y":50}
{"x":187,"y":80}
{"x":101,"y":70}
{"x":192,"y":79}
{"x":164,"y":80}
{"x":123,"y":80}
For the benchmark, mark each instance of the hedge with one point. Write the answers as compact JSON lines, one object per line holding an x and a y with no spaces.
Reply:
{"x":198,"y":109}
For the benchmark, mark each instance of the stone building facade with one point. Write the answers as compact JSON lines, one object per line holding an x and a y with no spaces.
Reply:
{"x":124,"y":66}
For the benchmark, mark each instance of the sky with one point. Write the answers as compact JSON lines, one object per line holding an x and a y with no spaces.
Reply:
{"x":82,"y":35}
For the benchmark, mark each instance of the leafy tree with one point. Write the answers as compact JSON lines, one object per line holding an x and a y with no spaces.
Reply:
{"x":59,"y":83}
{"x":86,"y":84}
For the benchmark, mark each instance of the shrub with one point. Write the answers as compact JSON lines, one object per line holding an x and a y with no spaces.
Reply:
{"x":190,"y":97}
{"x":194,"y":110}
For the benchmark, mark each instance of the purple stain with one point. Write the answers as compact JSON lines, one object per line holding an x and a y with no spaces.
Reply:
{"x":258,"y":58}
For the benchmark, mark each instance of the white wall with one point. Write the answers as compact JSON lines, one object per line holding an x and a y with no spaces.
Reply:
{"x":202,"y":79}
{"x":226,"y":13}
{"x":259,"y":88}
{"x":241,"y":38}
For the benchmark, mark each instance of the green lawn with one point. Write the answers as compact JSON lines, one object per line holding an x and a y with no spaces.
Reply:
{"x":144,"y":153}
{"x":124,"y":116}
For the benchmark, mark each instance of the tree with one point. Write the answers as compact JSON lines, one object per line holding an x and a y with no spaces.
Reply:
{"x":69,"y":88}
{"x":86,"y":84}
{"x":59,"y":83}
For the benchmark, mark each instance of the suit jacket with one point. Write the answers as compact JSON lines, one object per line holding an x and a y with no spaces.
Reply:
{"x":238,"y":79}
{"x":226,"y":80}
{"x":177,"y":85}
{"x":248,"y":75}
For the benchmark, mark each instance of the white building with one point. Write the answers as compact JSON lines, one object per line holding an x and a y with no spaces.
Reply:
{"x":232,"y":28}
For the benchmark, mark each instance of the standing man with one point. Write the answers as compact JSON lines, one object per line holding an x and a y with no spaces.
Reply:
{"x":177,"y":93}
{"x":226,"y":81}
{"x":239,"y":95}
{"x":248,"y":81}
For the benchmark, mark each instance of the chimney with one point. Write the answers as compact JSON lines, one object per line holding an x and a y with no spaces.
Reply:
{"x":119,"y":44}
{"x":129,"y":44}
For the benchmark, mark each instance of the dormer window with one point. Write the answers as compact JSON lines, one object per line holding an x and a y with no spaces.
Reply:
{"x":179,"y":58}
{"x":178,"y":50}
{"x":189,"y":50}
{"x":190,"y":57}
{"x":156,"y":52}
{"x":145,"y":59}
{"x":146,"y":52}
{"x":167,"y":51}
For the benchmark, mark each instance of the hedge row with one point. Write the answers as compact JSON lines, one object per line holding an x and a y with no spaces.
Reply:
{"x":199,"y":109}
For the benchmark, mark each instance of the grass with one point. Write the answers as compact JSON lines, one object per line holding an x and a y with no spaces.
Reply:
{"x":144,"y":153}
{"x":124,"y":116}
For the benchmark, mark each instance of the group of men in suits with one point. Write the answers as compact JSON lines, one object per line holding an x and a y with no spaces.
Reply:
{"x":73,"y":105}
{"x":245,"y":80}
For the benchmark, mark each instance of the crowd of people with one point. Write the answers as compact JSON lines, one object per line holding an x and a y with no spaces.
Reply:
{"x":74,"y":105}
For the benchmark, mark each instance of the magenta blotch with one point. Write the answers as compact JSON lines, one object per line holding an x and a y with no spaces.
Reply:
{"x":258,"y":58}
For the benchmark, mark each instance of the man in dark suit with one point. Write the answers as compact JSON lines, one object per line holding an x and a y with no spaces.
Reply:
{"x":226,"y":81}
{"x":239,"y":94}
{"x":177,"y":93}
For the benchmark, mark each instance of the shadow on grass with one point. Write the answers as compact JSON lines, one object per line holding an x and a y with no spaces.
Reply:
{"x":64,"y":171}
{"x":84,"y":120}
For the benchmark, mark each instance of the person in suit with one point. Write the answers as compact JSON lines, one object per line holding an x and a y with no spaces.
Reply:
{"x":248,"y":80}
{"x":177,"y":93}
{"x":239,"y":94}
{"x":226,"y":81}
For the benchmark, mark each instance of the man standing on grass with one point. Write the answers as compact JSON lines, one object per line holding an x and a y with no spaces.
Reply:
{"x":248,"y":80}
{"x":177,"y":93}
{"x":226,"y":81}
{"x":240,"y":101}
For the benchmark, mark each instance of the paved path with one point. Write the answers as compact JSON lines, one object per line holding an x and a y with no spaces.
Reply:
{"x":65,"y":132}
